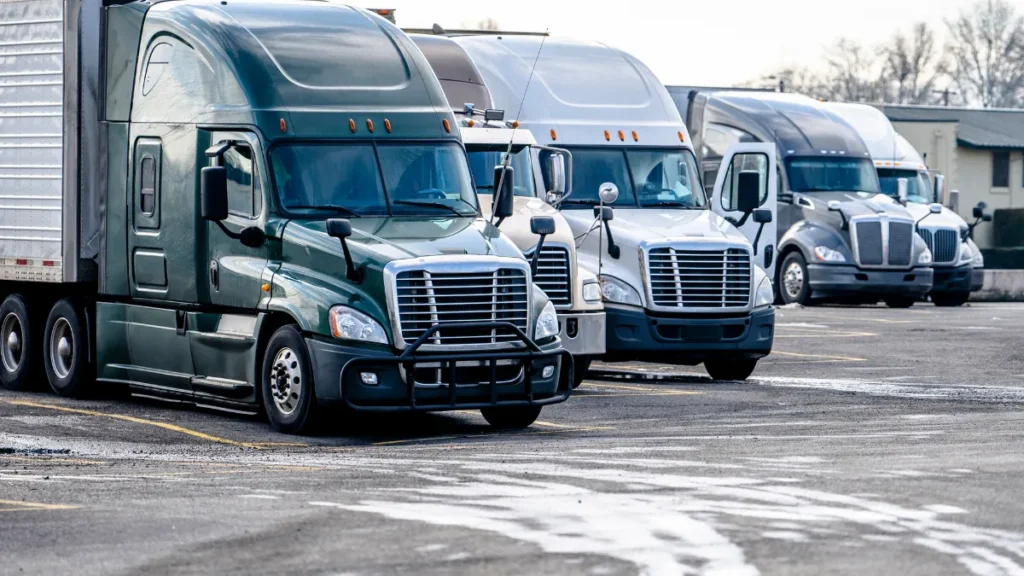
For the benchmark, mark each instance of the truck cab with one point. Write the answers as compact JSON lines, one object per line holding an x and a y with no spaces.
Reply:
{"x":491,"y":140}
{"x":839,"y":237}
{"x":285,"y":225}
{"x":903,"y":176}
{"x":681,"y":284}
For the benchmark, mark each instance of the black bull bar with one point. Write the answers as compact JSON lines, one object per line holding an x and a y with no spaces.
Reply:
{"x":449,"y":361}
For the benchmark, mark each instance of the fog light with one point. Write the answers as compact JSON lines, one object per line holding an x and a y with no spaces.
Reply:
{"x":548,"y":372}
{"x":368,"y":378}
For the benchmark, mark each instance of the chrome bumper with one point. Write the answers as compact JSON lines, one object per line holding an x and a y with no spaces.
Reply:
{"x":582,"y":333}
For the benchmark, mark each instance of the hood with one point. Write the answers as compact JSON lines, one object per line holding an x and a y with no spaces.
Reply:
{"x":858,"y":203}
{"x":517,"y":226}
{"x":946,"y":218}
{"x":634,"y":225}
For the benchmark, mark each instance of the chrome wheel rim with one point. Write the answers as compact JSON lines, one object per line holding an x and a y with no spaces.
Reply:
{"x":793,"y":280}
{"x":62,"y":348}
{"x":13,"y":342}
{"x":286,"y":381}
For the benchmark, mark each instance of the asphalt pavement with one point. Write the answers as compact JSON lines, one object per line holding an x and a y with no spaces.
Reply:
{"x":872,"y":441}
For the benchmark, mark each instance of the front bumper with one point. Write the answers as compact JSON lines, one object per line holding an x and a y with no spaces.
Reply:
{"x":846,"y":280}
{"x":582,"y":333}
{"x":436,"y":381}
{"x":951,"y":279}
{"x":641,"y":335}
{"x":977,"y":279}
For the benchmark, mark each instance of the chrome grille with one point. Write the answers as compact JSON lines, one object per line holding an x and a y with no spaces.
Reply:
{"x":883,"y":243}
{"x":702,"y":279}
{"x":554,"y":275}
{"x":943,"y":242}
{"x":425,"y":298}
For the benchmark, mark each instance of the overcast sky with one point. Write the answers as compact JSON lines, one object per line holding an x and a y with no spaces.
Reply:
{"x":710,"y":42}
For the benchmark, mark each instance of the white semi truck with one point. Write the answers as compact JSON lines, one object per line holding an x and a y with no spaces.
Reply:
{"x":957,"y":261}
{"x":681,"y":284}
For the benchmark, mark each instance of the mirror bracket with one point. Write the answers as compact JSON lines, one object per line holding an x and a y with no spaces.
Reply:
{"x":250,"y":237}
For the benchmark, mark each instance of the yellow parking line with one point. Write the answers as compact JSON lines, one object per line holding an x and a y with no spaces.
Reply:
{"x":669,"y":393}
{"x":164,"y":425}
{"x":819,"y":356}
{"x":17,"y":505}
{"x":552,"y":424}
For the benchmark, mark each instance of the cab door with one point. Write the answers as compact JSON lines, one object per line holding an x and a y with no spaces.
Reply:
{"x":758,"y":157}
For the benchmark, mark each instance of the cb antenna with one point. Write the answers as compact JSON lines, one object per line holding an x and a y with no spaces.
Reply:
{"x":515,"y":123}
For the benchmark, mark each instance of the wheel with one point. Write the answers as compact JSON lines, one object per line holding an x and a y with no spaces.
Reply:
{"x":579,"y":370}
{"x":511,"y":418}
{"x":951,"y":299}
{"x":730,"y":368}
{"x":899,"y":301}
{"x":17,"y":351}
{"x":289,"y":394}
{"x":65,"y":345}
{"x":793,"y":283}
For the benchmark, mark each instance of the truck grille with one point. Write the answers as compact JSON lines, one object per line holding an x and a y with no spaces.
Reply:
{"x":554,"y":275}
{"x":943,"y":242}
{"x":699,"y":278}
{"x":883,"y":243}
{"x":427,"y":298}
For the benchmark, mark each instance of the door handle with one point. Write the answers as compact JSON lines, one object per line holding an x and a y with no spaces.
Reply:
{"x":215,"y":275}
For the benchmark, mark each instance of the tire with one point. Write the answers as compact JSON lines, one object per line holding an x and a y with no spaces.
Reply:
{"x":730,"y":368}
{"x":511,"y":418}
{"x":579,"y":370}
{"x":793,"y":279}
{"x":289,"y":392}
{"x":17,"y":344}
{"x":950,"y":299}
{"x":66,"y":350}
{"x":899,"y":301}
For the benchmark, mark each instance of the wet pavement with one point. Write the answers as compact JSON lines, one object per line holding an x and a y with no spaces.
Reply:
{"x":873,"y":441}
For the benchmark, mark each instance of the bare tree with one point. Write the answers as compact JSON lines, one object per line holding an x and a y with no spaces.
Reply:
{"x":851,"y":75}
{"x":986,"y":54}
{"x":911,"y":67}
{"x":488,"y":24}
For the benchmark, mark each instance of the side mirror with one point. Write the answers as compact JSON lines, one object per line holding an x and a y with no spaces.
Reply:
{"x":762,"y":216}
{"x":541,"y":226}
{"x":978,"y":212}
{"x":954,"y":200}
{"x":940,"y":189}
{"x":341,"y":229}
{"x":556,"y":171}
{"x":605,"y":213}
{"x":213,"y":189}
{"x":935,"y":208}
{"x":504,"y":192}
{"x":836,"y":206}
{"x":748,"y":191}
{"x":902,"y":190}
{"x":608,"y":192}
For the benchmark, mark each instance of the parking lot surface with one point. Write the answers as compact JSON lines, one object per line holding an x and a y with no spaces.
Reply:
{"x":872,"y":441}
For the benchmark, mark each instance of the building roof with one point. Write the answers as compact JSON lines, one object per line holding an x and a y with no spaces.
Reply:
{"x":985,"y":128}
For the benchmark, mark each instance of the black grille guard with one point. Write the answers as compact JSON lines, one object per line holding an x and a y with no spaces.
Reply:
{"x":409,"y":358}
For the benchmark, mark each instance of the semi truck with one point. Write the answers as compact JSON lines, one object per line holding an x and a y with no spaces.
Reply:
{"x":253,"y":206}
{"x":956,"y":260}
{"x":681,"y":283}
{"x":839,"y":237}
{"x":492,"y":140}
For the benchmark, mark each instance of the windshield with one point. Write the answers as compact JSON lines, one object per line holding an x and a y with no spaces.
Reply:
{"x":831,"y":175}
{"x":483,"y":162}
{"x":919,"y":185}
{"x":645,"y":177}
{"x":418,"y":179}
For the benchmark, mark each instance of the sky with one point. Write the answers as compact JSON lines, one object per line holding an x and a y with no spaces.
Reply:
{"x":709,"y":43}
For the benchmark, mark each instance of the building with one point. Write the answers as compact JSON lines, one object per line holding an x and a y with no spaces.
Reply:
{"x":981,"y":152}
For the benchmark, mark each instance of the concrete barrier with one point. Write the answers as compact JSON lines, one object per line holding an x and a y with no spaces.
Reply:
{"x":1001,"y":286}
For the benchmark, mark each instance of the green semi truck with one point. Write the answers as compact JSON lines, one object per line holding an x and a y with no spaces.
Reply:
{"x":253,"y":206}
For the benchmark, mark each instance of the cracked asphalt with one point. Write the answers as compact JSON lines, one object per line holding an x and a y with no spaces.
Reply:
{"x":872,"y":441}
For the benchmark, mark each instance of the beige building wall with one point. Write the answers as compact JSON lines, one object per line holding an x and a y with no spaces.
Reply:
{"x":936,"y":143}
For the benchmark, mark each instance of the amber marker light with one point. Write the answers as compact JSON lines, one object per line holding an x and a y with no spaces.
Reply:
{"x":352,"y":125}
{"x":369,"y":125}
{"x":635,"y":137}
{"x":283,"y":125}
{"x":387,"y":125}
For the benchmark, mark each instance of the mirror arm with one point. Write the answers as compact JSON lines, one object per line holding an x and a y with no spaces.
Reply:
{"x":251,"y":237}
{"x":613,"y":249}
{"x":350,"y":269}
{"x":536,"y":256}
{"x":500,"y":220}
{"x":757,"y":237}
{"x":743,"y":220}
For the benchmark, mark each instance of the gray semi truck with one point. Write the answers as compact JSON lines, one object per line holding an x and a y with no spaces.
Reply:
{"x":175,"y":219}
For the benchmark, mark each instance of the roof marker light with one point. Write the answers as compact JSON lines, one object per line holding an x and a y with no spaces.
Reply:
{"x":387,"y":125}
{"x":471,"y":123}
{"x":553,"y":135}
{"x":607,"y":136}
{"x":369,"y":125}
{"x":635,"y":137}
{"x":681,"y":138}
{"x":283,"y":125}
{"x":622,"y":137}
{"x":515,"y":123}
{"x":447,"y":125}
{"x":352,"y":125}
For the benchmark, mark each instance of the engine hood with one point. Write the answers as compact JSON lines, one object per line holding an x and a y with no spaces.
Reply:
{"x":517,"y":226}
{"x":858,"y":203}
{"x":946,"y":218}
{"x":634,"y":225}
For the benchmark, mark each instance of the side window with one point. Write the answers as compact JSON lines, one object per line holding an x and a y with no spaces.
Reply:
{"x":744,"y":163}
{"x":159,"y":59}
{"x":243,"y":182}
{"x":1000,"y":168}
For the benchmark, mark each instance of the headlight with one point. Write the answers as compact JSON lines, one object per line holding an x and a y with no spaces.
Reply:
{"x":979,"y":260}
{"x":547,"y":323}
{"x":765,"y":295}
{"x":617,"y":291}
{"x":925,"y":258}
{"x":349,"y":324}
{"x":592,"y":292}
{"x":826,"y":254}
{"x":966,"y":254}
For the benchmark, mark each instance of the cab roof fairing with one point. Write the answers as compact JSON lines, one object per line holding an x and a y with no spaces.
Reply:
{"x":579,"y":90}
{"x":799,"y":126}
{"x":486,"y":135}
{"x":877,"y":132}
{"x":313,"y":64}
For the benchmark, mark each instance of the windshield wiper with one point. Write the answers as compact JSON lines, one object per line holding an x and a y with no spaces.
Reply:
{"x":435,"y":205}
{"x":672,"y":203}
{"x":577,"y":202}
{"x":328,"y":207}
